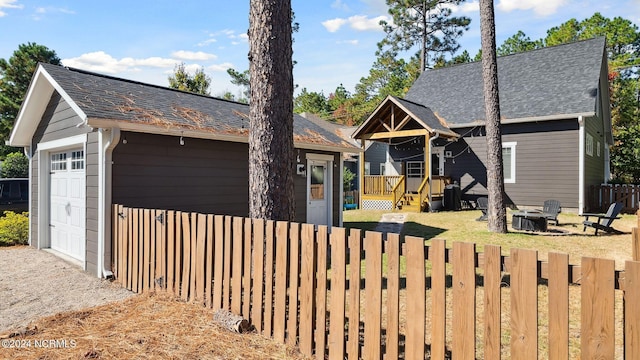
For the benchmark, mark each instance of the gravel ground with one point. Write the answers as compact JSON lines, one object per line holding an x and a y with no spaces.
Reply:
{"x":35,"y":283}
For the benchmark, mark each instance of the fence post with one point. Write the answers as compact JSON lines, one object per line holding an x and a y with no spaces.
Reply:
{"x":635,"y":240}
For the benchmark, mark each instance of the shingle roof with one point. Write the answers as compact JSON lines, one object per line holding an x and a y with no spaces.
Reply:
{"x":343,"y":131}
{"x":108,"y":98}
{"x":552,"y":81}
{"x":425,"y":115}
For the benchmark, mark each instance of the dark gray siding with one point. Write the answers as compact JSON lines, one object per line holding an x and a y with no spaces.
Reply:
{"x":154,"y":171}
{"x":547,"y":162}
{"x":376,"y":154}
{"x":91,"y":186}
{"x":58,"y":121}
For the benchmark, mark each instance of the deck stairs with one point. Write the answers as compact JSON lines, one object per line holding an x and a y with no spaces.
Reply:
{"x":411,"y":203}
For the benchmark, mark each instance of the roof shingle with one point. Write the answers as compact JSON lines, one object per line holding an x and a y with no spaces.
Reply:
{"x":109,"y":98}
{"x":551,"y":81}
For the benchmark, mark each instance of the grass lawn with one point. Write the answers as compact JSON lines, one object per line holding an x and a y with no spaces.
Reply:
{"x":568,"y":237}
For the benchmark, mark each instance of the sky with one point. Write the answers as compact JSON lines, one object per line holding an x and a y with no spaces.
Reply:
{"x":144,"y":40}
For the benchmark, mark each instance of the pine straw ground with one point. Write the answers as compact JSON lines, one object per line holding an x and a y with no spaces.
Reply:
{"x":154,"y":326}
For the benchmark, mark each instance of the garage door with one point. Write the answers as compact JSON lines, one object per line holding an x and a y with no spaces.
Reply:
{"x":67,"y":193}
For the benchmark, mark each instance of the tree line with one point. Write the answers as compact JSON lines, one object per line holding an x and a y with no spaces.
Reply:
{"x":391,"y":74}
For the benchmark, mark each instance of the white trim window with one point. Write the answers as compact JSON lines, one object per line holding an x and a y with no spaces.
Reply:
{"x":509,"y":162}
{"x":598,"y":148}
{"x":589,"y":145}
{"x":59,"y":162}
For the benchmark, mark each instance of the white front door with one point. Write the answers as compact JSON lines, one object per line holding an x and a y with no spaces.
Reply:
{"x":67,"y":205}
{"x":317,"y":192}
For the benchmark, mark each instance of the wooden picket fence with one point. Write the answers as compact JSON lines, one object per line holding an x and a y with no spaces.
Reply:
{"x":601,"y":196}
{"x":403,"y":299}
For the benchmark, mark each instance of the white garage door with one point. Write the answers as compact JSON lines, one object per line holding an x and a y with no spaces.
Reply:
{"x":67,"y":214}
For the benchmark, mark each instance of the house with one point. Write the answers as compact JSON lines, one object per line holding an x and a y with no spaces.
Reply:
{"x":96,"y":140}
{"x":556,"y":130}
{"x":376,"y":153}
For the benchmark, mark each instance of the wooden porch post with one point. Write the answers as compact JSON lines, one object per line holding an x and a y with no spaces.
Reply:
{"x":361,"y":174}
{"x":427,"y":164}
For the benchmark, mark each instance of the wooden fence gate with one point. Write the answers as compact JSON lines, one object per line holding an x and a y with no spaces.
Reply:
{"x":342,"y":295}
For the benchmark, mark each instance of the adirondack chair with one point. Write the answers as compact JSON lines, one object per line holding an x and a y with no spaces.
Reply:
{"x":482,"y":204}
{"x":551,"y":209}
{"x":604,"y":221}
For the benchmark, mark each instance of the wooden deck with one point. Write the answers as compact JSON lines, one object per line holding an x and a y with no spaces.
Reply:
{"x":393,"y":189}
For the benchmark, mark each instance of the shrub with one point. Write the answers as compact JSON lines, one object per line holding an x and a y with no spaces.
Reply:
{"x":14,"y":228}
{"x":347,"y":179}
{"x":15,"y":165}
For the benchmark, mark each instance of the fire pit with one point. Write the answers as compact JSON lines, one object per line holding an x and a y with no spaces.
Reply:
{"x":529,"y":221}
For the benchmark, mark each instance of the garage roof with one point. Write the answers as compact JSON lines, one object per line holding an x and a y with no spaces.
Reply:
{"x":104,"y":101}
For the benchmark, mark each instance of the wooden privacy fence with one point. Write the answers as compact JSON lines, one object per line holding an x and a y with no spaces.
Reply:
{"x":341,"y":296}
{"x":601,"y":196}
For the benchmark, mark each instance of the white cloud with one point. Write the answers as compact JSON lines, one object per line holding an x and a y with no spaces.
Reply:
{"x":466,"y":7}
{"x":207,"y":42}
{"x":100,"y":61}
{"x":356,"y":22}
{"x":340,"y":5}
{"x":362,"y":23}
{"x":220,"y":67}
{"x":9,"y":4}
{"x":334,"y":25}
{"x":350,"y":42}
{"x":540,"y":7}
{"x":193,"y":55}
{"x":42,"y":11}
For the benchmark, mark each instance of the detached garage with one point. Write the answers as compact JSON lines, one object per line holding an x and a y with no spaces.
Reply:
{"x":95,"y":140}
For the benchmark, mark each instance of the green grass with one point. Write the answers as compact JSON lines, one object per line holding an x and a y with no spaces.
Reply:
{"x":568,"y":237}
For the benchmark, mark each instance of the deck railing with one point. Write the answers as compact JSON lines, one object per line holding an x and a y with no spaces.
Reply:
{"x":381,"y":184}
{"x":298,"y":284}
{"x":398,"y":192}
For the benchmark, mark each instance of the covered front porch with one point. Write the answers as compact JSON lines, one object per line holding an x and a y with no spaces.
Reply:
{"x":412,"y":175}
{"x":393,"y":189}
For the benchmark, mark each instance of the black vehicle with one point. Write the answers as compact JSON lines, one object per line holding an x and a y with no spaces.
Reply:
{"x":14,"y":195}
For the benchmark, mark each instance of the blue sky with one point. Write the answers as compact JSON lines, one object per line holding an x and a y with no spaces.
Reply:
{"x":144,"y":40}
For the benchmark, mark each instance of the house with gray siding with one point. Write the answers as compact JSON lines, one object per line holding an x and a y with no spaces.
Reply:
{"x":95,"y":140}
{"x":375,"y":152}
{"x":556,"y":127}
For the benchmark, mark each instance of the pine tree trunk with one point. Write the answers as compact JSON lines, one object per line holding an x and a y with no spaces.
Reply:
{"x":271,"y":193}
{"x":496,"y":211}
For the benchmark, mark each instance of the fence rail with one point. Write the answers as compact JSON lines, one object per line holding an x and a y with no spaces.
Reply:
{"x":298,"y":284}
{"x":601,"y":196}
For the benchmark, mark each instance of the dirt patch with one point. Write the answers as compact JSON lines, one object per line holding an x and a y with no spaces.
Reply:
{"x":35,"y":283}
